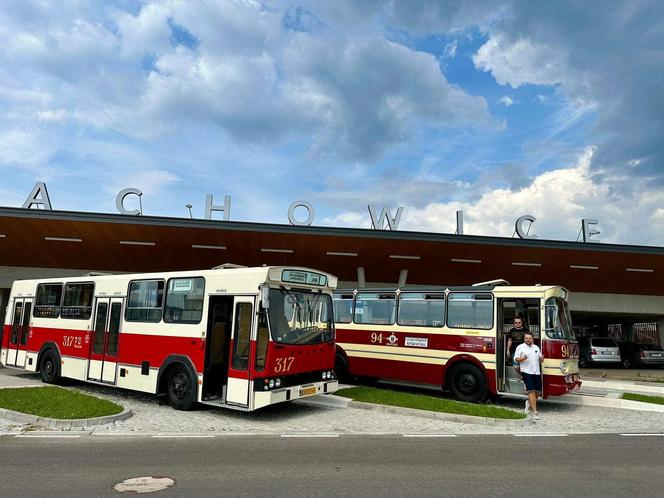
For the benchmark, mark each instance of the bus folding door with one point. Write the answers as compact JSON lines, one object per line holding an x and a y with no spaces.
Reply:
{"x":105,"y":339}
{"x":239,"y":371}
{"x":19,"y":335}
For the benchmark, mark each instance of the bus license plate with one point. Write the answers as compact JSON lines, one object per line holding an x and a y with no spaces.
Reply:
{"x":308,"y":391}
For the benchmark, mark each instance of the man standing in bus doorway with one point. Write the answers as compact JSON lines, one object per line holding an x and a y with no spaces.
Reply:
{"x":529,"y":357}
{"x":515,"y":336}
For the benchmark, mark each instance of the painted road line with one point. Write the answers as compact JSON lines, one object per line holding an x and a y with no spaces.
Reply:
{"x":642,"y":435}
{"x":541,"y":435}
{"x":429,"y":435}
{"x":182,"y":436}
{"x":308,"y":435}
{"x":62,"y":436}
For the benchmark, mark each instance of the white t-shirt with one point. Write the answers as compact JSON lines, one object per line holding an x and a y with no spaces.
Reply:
{"x":532,"y":364}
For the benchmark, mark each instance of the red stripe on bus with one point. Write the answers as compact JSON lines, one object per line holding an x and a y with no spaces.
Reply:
{"x":133,"y":349}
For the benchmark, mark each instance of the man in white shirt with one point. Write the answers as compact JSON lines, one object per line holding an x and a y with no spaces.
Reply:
{"x":529,"y":357}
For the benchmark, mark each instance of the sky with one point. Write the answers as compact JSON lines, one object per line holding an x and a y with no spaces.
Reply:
{"x":496,"y":108}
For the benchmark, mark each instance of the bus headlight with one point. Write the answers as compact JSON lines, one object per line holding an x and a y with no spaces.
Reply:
{"x":277,"y":383}
{"x":271,"y":383}
{"x":564,"y":367}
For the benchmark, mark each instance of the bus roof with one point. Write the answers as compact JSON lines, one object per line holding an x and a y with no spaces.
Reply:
{"x":250,"y":275}
{"x":454,"y":288}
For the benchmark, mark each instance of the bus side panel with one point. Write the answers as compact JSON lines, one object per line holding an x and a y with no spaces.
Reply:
{"x":6,"y":330}
{"x":385,"y":353}
{"x":429,"y":373}
{"x":293,"y":359}
{"x":72,"y":344}
{"x":134,"y":349}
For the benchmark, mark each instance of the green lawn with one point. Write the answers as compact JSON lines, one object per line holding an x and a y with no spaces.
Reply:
{"x":426,"y":402}
{"x":55,"y":402}
{"x":658,"y":400}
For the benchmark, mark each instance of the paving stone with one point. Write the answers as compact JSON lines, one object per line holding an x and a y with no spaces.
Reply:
{"x":296,"y":417}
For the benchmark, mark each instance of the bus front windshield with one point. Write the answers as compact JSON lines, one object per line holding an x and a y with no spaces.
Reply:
{"x":558,"y":323}
{"x":300,"y":317}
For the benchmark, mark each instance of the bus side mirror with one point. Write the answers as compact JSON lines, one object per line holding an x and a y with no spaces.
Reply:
{"x":265,"y":297}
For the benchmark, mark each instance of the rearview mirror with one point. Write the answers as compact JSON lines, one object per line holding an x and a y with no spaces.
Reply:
{"x":265,"y":297}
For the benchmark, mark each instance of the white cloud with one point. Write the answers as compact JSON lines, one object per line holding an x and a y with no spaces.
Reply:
{"x":516,"y":63}
{"x":244,"y":71}
{"x":25,"y":148}
{"x":559,"y":199}
{"x":506,"y":100}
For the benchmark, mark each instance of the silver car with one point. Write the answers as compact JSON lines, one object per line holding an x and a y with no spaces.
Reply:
{"x":598,"y":351}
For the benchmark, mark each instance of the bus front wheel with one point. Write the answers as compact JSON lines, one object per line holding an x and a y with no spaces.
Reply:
{"x":181,"y":387}
{"x":468,"y":383}
{"x":49,"y":368}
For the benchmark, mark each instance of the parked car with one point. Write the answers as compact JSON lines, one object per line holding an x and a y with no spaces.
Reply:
{"x":598,"y":351}
{"x":641,"y":355}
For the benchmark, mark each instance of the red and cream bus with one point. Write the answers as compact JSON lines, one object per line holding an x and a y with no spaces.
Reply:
{"x":454,"y":337}
{"x":236,"y":337}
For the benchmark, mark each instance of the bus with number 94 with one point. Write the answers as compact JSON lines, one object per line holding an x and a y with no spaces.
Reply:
{"x":456,"y":338}
{"x":234,"y":337}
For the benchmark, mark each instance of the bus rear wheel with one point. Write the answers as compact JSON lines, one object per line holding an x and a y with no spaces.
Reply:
{"x":181,"y":387}
{"x":468,"y":383}
{"x":49,"y":368}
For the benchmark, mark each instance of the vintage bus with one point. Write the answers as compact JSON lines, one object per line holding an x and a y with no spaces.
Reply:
{"x":235,"y":337}
{"x":454,"y":337}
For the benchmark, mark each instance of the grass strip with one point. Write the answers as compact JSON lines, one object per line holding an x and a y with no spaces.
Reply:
{"x":658,"y":400}
{"x":55,"y":402}
{"x":426,"y":402}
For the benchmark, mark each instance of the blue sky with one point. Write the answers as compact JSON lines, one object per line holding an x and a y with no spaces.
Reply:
{"x":499,"y":109}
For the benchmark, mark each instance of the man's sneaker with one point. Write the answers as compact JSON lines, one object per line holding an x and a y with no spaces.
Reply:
{"x":536,"y":416}
{"x":527,"y":408}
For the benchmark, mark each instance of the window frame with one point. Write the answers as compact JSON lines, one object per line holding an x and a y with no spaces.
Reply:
{"x":127,"y":307}
{"x":163,"y":307}
{"x":37,"y":306}
{"x":493,"y":309}
{"x":379,"y":293}
{"x":444,"y":315}
{"x":62,"y":300}
{"x":352,"y":306}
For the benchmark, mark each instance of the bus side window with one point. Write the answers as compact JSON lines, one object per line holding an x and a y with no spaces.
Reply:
{"x":262,"y":337}
{"x":375,"y":309}
{"x":470,"y":310}
{"x":343,"y":308}
{"x":242,"y":336}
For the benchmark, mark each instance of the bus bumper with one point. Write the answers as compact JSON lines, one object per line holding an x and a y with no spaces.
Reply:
{"x":559,"y":385}
{"x":265,"y":398}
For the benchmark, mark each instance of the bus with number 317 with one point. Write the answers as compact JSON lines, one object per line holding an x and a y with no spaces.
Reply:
{"x":234,"y":337}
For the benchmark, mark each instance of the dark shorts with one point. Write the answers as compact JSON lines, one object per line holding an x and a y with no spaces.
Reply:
{"x":533,"y":382}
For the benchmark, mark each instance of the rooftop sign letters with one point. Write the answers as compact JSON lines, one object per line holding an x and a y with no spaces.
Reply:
{"x":38,"y":197}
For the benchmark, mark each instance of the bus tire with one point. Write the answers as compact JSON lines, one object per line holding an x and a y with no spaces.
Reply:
{"x":49,"y":367}
{"x":468,"y":383}
{"x":341,"y":366}
{"x":181,"y":387}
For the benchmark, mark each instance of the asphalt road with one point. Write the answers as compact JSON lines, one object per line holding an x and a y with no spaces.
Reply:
{"x":590,"y":465}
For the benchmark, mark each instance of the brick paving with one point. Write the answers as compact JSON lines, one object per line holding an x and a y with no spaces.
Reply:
{"x":297,"y":417}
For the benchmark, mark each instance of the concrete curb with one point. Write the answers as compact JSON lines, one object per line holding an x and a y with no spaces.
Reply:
{"x":56,"y":423}
{"x":624,"y":386}
{"x":450,"y":417}
{"x":608,"y":402}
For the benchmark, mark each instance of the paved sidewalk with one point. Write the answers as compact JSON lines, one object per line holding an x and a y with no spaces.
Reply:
{"x":305,"y":417}
{"x":624,"y":374}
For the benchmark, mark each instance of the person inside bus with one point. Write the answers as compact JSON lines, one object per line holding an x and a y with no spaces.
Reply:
{"x":515,"y":336}
{"x":529,"y":357}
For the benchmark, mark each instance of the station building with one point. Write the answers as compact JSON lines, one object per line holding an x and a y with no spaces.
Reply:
{"x":616,"y":290}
